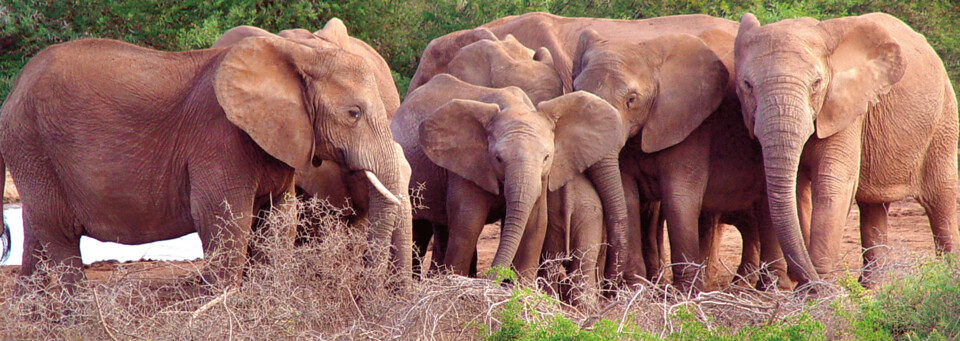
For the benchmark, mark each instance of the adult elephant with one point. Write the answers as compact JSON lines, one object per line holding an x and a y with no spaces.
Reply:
{"x":713,"y":173}
{"x":340,"y":186}
{"x":857,"y":108}
{"x":132,"y":145}
{"x":485,"y":153}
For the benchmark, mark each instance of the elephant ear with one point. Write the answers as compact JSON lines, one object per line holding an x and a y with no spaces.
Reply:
{"x":588,"y":128}
{"x":259,"y":86}
{"x":440,"y":51}
{"x":866,"y":61}
{"x":236,"y":34}
{"x":543,"y":55}
{"x":692,"y":83}
{"x":473,"y":63}
{"x":307,"y":38}
{"x":455,"y":137}
{"x":335,"y":32}
{"x":588,"y":38}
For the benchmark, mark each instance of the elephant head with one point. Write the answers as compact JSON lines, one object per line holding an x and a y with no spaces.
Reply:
{"x":800,"y":77}
{"x":665,"y":87}
{"x":498,"y":137}
{"x":499,"y":63}
{"x":301,"y":104}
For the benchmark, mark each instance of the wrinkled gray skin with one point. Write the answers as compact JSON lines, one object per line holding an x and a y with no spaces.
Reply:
{"x":713,"y":175}
{"x":856,"y":108}
{"x":484,"y":153}
{"x":200,"y":129}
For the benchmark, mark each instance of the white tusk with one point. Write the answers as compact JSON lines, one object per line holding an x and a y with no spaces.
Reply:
{"x":383,"y":189}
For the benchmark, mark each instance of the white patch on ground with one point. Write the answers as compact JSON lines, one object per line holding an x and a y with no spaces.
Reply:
{"x":92,"y":250}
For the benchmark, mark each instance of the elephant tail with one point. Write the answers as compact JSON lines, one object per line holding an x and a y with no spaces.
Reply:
{"x":5,"y":236}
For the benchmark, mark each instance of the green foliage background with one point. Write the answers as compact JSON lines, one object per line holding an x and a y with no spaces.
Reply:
{"x":398,"y":29}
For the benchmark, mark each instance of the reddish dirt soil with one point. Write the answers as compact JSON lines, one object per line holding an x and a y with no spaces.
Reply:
{"x":909,"y":238}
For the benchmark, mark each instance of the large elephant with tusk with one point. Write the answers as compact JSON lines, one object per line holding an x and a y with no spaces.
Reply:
{"x":132,"y":145}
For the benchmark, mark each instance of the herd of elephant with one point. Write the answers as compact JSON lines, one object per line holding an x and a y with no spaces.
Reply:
{"x":586,"y":138}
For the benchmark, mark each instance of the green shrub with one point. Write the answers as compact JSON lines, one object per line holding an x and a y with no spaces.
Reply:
{"x":520,"y":320}
{"x":398,"y":29}
{"x":924,"y":306}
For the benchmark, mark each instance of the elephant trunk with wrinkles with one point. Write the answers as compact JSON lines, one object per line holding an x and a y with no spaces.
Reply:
{"x":782,"y":138}
{"x":390,"y":208}
{"x":521,"y":190}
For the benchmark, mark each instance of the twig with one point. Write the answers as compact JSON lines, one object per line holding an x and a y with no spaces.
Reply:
{"x":100,"y":315}
{"x":210,"y":304}
{"x":596,"y":316}
{"x":627,"y":310}
{"x":774,"y":315}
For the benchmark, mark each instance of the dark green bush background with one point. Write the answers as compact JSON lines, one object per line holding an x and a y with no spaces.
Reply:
{"x":398,"y":29}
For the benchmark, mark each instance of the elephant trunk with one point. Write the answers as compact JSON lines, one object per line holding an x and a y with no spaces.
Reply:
{"x":782,"y":136}
{"x":521,"y":189}
{"x":390,"y":216}
{"x":605,"y":175}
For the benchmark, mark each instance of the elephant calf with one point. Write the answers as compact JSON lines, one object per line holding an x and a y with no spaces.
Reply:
{"x":132,"y":145}
{"x":483,"y":153}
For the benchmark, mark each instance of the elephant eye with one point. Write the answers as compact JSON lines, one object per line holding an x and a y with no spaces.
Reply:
{"x":632,"y":100}
{"x":499,"y":159}
{"x":747,"y":84}
{"x":354,"y":112}
{"x":816,"y":83}
{"x":546,"y":157}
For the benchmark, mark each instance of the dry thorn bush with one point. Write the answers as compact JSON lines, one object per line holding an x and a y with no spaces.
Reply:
{"x":323,"y":289}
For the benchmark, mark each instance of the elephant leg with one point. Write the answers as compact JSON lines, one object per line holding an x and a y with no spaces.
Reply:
{"x":51,"y":235}
{"x":710,"y":236}
{"x":682,"y":214}
{"x":747,"y":271}
{"x":657,"y":230}
{"x":527,"y":258}
{"x":804,"y":204}
{"x":586,"y":239}
{"x":279,"y":214}
{"x":440,"y":237}
{"x":873,"y":236}
{"x":32,"y":255}
{"x":684,"y":170}
{"x":833,"y":184}
{"x":555,"y":241}
{"x":467,"y":210}
{"x":939,"y":192}
{"x":223,"y":220}
{"x":636,"y":252}
{"x":773,"y":267}
{"x":422,"y":232}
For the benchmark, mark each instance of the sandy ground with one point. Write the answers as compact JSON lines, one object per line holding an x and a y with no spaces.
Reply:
{"x":909,"y":238}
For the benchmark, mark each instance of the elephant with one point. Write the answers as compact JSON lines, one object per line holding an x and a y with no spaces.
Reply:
{"x":572,"y":229}
{"x":689,"y":150}
{"x":484,"y":153}
{"x":847,"y":109}
{"x":127,"y":144}
{"x":341,"y":187}
{"x":559,"y":36}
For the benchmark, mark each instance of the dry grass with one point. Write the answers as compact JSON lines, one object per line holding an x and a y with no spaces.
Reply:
{"x":323,"y":289}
